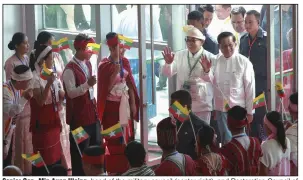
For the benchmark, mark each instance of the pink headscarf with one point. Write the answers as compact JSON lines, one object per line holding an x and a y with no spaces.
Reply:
{"x":272,"y":128}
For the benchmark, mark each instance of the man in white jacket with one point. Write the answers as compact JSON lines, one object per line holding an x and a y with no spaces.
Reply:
{"x":233,"y":80}
{"x":189,"y":72}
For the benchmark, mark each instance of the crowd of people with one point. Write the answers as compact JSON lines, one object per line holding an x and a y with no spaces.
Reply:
{"x":40,"y":111}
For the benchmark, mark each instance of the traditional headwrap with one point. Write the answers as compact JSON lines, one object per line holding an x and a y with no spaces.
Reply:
{"x":113,"y":41}
{"x":167,"y":132}
{"x":94,"y":155}
{"x":272,"y":128}
{"x":43,"y":54}
{"x":83,"y":43}
{"x":191,"y":31}
{"x":28,"y":75}
{"x":237,"y":124}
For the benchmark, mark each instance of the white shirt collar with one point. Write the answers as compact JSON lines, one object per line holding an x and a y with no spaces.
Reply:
{"x":197,"y":54}
{"x":81,"y":62}
{"x":230,"y":56}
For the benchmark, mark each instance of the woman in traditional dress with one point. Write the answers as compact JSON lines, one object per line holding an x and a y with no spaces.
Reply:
{"x":45,"y":121}
{"x":209,"y":163}
{"x":46,"y":38}
{"x":21,"y":144}
{"x":276,"y":149}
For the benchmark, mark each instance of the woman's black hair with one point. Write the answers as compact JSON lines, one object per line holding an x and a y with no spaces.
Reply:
{"x":294,"y":98}
{"x":206,"y":135}
{"x":275,"y":118}
{"x":17,"y":39}
{"x":42,"y":38}
{"x":34,"y":56}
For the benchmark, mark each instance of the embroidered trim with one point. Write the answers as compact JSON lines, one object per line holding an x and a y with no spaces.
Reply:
{"x":212,"y":167}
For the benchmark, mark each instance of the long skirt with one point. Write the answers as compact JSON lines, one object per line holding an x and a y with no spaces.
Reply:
{"x":64,"y":138}
{"x":110,"y":118}
{"x":47,"y":143}
{"x":22,"y":141}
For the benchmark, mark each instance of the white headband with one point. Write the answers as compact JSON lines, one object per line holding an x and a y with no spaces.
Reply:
{"x":28,"y":75}
{"x":43,"y":53}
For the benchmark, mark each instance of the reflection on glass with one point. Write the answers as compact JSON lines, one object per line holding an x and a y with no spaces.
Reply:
{"x":159,"y":110}
{"x":287,"y":59}
{"x":70,"y":17}
{"x":125,"y":21}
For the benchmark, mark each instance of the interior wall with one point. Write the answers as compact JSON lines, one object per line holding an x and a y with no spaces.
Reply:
{"x":12,"y":22}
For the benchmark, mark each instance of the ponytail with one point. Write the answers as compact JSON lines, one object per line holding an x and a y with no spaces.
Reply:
{"x":281,"y":137}
{"x":275,"y":118}
{"x":32,"y":60}
{"x":36,"y":44}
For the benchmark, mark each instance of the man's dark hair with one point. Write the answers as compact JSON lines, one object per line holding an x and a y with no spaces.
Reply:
{"x":238,"y":10}
{"x":183,"y":97}
{"x":58,"y":170}
{"x":195,"y":15}
{"x":81,"y":37}
{"x":294,"y":98}
{"x":255,"y":13}
{"x":110,"y":35}
{"x":225,"y":35}
{"x":206,"y":7}
{"x":238,"y":113}
{"x":135,"y":154}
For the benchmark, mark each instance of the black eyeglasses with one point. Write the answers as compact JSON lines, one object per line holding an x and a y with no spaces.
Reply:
{"x":191,"y":40}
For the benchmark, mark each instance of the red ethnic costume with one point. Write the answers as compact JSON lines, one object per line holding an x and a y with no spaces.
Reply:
{"x":81,"y":107}
{"x":45,"y":123}
{"x":113,"y":107}
{"x":175,"y":163}
{"x":242,"y":152}
{"x":211,"y":164}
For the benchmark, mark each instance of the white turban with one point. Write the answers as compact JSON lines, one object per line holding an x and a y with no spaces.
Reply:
{"x":191,"y":31}
{"x":28,"y":75}
{"x":43,"y":54}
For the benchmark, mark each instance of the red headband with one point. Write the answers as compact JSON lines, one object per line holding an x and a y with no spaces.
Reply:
{"x":93,"y":159}
{"x":83,"y":43}
{"x":113,"y":41}
{"x":236,"y":123}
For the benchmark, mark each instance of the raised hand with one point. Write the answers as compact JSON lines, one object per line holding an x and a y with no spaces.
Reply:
{"x":51,"y":78}
{"x":205,"y":63}
{"x":168,"y":55}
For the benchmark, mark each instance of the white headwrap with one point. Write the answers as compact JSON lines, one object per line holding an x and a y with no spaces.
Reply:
{"x":191,"y":31}
{"x":28,"y":75}
{"x":43,"y":54}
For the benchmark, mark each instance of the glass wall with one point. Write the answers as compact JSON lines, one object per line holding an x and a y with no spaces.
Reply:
{"x":282,"y":58}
